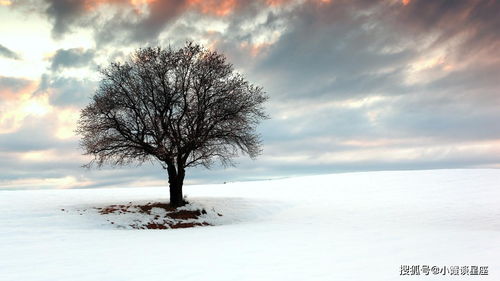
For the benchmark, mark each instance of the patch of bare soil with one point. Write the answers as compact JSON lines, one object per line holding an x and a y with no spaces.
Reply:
{"x":159,"y":215}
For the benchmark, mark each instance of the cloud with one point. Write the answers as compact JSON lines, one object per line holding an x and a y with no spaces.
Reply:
{"x":17,"y":102}
{"x":66,"y":91}
{"x":135,"y":20}
{"x":10,"y":86}
{"x":71,"y":91}
{"x":7,"y":53}
{"x":43,"y":129}
{"x":352,"y":55}
{"x":468,"y":30}
{"x":65,"y":14}
{"x":355,"y":85}
{"x":144,"y":27}
{"x":67,"y":58}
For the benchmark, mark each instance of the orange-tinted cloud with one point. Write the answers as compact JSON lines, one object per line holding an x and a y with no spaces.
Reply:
{"x":90,"y":5}
{"x":17,"y":102}
{"x":255,"y":49}
{"x":213,"y":7}
{"x":277,"y":2}
{"x":15,"y":88}
{"x":140,"y":2}
{"x":406,"y":2}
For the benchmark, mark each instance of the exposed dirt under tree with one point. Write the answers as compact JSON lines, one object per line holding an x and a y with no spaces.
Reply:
{"x":160,"y":215}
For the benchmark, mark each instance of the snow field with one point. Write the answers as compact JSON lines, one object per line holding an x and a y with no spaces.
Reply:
{"x":355,"y":226}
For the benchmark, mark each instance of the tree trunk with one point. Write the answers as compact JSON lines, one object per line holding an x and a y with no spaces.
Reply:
{"x":176,"y":180}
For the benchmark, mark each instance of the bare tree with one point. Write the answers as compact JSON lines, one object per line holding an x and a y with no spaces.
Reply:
{"x":182,"y":107}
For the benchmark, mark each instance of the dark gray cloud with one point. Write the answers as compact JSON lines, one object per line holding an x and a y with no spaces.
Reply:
{"x":119,"y":21}
{"x":143,"y":28}
{"x":476,"y":20}
{"x":332,"y":51}
{"x":64,"y":13}
{"x":8,"y":53}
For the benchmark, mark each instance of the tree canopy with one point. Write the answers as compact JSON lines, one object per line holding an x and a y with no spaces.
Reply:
{"x":182,"y":107}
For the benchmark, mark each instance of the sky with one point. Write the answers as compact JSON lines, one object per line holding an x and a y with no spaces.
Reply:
{"x":359,"y":85}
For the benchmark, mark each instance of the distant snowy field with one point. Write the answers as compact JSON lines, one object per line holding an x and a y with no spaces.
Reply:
{"x":356,"y":226}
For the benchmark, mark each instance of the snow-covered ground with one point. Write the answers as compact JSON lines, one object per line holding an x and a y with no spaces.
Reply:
{"x":356,"y":226}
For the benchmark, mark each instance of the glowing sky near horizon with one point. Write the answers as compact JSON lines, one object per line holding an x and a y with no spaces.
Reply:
{"x":355,"y":85}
